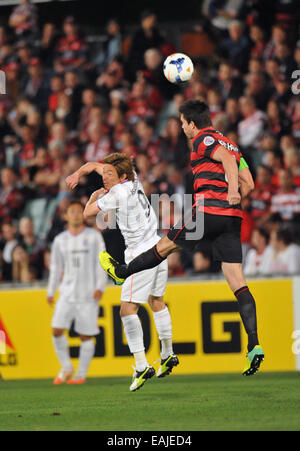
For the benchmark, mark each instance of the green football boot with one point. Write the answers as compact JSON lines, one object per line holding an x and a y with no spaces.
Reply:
{"x":109,"y":264}
{"x":166,"y":365}
{"x":140,"y":377}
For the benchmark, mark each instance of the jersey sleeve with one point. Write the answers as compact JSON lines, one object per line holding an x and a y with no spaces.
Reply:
{"x":56,"y":268}
{"x":206,"y":146}
{"x":108,"y":202}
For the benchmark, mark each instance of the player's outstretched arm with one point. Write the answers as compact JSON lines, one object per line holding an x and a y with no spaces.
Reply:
{"x":231,"y":170}
{"x":73,"y":179}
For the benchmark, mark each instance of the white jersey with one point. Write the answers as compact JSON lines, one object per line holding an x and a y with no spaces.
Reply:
{"x":74,"y":267}
{"x":134,"y":214}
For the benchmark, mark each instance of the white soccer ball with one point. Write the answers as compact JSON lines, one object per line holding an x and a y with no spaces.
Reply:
{"x":178,"y":68}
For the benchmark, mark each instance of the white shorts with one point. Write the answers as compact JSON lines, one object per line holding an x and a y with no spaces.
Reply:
{"x":84,"y":314}
{"x":138,"y":287}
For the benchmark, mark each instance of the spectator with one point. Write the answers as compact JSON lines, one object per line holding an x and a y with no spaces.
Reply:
{"x":111,"y":80}
{"x":32,"y":245}
{"x":295,"y":126}
{"x":277,"y":122}
{"x":257,"y":35}
{"x":274,"y":160}
{"x":261,"y":196}
{"x":111,"y":47}
{"x":11,"y":199}
{"x":286,"y":202}
{"x":88,"y":102}
{"x":146,"y":37}
{"x":24,"y":19}
{"x":21,"y":270}
{"x":285,"y":255}
{"x":64,"y":111}
{"x":232,"y":112}
{"x":36,"y":88}
{"x":12,"y":81}
{"x":292,"y":162}
{"x":251,"y":127}
{"x":230,"y":85}
{"x":175,"y":266}
{"x":57,"y":87}
{"x":154,"y":61}
{"x":148,"y":142}
{"x":174,"y":148}
{"x":7,"y":245}
{"x":254,"y":262}
{"x":278,"y":36}
{"x":99,"y":144}
{"x":237,"y":47}
{"x":127,"y":144}
{"x":71,"y":49}
{"x":74,"y":89}
{"x":258,"y":90}
{"x":139,"y":106}
{"x":222,"y":14}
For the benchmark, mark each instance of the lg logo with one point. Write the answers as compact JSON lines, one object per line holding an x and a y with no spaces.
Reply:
{"x":296,"y":85}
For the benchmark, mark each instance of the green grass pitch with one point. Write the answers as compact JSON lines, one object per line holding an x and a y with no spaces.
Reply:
{"x":266,"y":401}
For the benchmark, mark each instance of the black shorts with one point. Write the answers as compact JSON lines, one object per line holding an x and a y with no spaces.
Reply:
{"x":223,"y":231}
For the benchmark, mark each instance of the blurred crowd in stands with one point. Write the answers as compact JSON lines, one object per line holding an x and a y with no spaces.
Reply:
{"x":68,"y":102}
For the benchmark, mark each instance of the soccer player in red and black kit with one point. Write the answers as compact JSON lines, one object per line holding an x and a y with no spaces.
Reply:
{"x":217,"y":212}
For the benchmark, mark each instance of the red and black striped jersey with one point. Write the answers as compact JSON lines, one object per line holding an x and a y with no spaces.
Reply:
{"x":209,"y":175}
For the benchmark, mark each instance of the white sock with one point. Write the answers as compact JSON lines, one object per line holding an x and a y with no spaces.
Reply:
{"x":86,"y":353}
{"x":135,"y":338}
{"x":62,"y":351}
{"x":163,"y":325}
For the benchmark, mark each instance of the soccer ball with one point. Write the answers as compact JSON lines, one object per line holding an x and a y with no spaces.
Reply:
{"x":178,"y":68}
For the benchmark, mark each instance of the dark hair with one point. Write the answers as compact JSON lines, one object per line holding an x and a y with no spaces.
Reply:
{"x":263,"y":232}
{"x":75,"y":202}
{"x":285,"y":235}
{"x":196,"y":111}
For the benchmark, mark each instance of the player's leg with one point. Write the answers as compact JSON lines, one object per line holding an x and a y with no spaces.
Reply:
{"x":227,"y":249}
{"x":86,"y":325}
{"x":61,"y":321}
{"x":86,"y":353}
{"x":147,"y":260}
{"x":234,"y":275}
{"x":134,"y":333}
{"x":163,"y":324}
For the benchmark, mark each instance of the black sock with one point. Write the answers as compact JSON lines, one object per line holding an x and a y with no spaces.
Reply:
{"x":247,"y":310}
{"x":146,"y":260}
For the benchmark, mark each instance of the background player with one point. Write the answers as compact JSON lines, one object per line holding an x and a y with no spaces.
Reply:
{"x":124,"y":195}
{"x":74,"y":268}
{"x":215,"y":160}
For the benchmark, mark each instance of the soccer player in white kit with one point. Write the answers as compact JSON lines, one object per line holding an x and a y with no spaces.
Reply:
{"x":75,"y":271}
{"x":124,"y":195}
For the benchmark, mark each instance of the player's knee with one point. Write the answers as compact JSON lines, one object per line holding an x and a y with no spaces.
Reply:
{"x":128,"y":308}
{"x":156,"y":303}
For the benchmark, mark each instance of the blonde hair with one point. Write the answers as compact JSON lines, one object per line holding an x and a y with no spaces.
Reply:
{"x":123,"y":164}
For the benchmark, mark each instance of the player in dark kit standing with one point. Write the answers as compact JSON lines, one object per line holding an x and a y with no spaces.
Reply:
{"x":221,"y":176}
